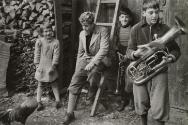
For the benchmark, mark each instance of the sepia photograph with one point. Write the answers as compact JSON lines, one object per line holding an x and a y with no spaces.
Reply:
{"x":93,"y":62}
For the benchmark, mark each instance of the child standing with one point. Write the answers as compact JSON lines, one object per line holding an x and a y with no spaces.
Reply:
{"x":152,"y":96}
{"x":123,"y":33}
{"x":46,"y":58}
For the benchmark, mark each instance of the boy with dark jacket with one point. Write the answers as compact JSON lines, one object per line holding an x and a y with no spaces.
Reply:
{"x":152,"y":96}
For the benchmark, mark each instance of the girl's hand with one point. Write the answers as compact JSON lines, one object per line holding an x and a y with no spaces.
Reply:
{"x":37,"y":65}
{"x":52,"y":69}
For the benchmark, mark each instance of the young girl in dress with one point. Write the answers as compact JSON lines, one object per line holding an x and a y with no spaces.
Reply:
{"x":46,"y":59}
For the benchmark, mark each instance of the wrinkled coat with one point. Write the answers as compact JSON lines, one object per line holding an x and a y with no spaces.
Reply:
{"x":142,"y":33}
{"x":98,"y":48}
{"x":152,"y":95}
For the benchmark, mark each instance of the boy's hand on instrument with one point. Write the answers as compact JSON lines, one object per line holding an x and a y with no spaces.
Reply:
{"x":139,"y":52}
{"x":167,"y":59}
{"x":157,"y":44}
{"x":170,"y":58}
{"x":154,"y":44}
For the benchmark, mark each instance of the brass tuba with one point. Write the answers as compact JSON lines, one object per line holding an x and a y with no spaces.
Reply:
{"x":152,"y":62}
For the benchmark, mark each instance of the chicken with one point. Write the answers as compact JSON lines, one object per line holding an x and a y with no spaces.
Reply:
{"x":19,"y":113}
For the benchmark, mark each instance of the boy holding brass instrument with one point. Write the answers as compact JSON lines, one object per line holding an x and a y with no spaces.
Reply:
{"x":152,"y":96}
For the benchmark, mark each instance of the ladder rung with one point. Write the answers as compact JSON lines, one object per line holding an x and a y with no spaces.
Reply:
{"x":104,"y":24}
{"x":108,"y":1}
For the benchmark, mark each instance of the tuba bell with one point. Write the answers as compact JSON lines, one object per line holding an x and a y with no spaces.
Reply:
{"x":152,"y":62}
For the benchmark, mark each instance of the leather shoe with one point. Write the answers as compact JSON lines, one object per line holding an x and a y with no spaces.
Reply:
{"x":57,"y":105}
{"x":40,"y":106}
{"x":104,"y":103}
{"x":69,"y":118}
{"x":122,"y":106}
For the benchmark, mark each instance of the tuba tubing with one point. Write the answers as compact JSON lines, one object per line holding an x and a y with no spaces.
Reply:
{"x":174,"y":32}
{"x":139,"y":74}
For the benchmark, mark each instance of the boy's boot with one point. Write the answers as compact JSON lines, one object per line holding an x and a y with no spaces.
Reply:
{"x":70,"y":110}
{"x":69,"y":118}
{"x":130,"y":106}
{"x":57,"y":104}
{"x":124,"y":103}
{"x":144,"y":119}
{"x":157,"y":122}
{"x":40,"y":106}
{"x":122,"y":106}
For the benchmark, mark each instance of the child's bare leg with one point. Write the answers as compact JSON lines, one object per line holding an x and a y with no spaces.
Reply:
{"x":55,"y":90}
{"x":39,"y":94}
{"x":39,"y":91}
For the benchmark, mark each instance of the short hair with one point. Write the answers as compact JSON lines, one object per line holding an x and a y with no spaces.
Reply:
{"x":86,"y":18}
{"x":150,"y":4}
{"x":126,"y":11}
{"x":46,"y":25}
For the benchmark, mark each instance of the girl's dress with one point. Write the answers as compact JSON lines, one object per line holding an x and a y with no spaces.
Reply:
{"x":46,"y":54}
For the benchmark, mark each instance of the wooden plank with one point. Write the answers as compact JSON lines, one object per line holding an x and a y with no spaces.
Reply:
{"x":104,"y":24}
{"x":96,"y":101}
{"x":178,"y":71}
{"x":108,"y":1}
{"x":114,"y":23}
{"x":97,"y":10}
{"x":4,"y":58}
{"x":136,"y":7}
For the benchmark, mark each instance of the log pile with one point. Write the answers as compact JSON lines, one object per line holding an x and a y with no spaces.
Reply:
{"x":20,"y":24}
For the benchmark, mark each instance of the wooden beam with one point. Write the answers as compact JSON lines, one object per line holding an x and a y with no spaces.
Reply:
{"x":104,"y":24}
{"x":108,"y":1}
{"x":99,"y":91}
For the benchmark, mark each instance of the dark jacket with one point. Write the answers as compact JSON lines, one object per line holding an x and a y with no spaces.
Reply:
{"x":142,"y":33}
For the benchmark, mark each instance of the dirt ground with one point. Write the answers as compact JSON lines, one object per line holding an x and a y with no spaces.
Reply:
{"x":51,"y":116}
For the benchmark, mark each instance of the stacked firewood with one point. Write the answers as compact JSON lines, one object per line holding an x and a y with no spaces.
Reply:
{"x":20,"y":23}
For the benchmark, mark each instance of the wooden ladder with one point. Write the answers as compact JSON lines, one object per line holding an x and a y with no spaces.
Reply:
{"x":111,"y":25}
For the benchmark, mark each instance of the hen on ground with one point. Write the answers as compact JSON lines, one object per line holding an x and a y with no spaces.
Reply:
{"x":19,"y":113}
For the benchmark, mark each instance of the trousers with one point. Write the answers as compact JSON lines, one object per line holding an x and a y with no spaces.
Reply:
{"x":81,"y":76}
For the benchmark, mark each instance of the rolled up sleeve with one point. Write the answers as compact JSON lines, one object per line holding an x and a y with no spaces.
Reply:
{"x":37,"y":52}
{"x":174,"y":50}
{"x":56,"y":53}
{"x":132,"y":44}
